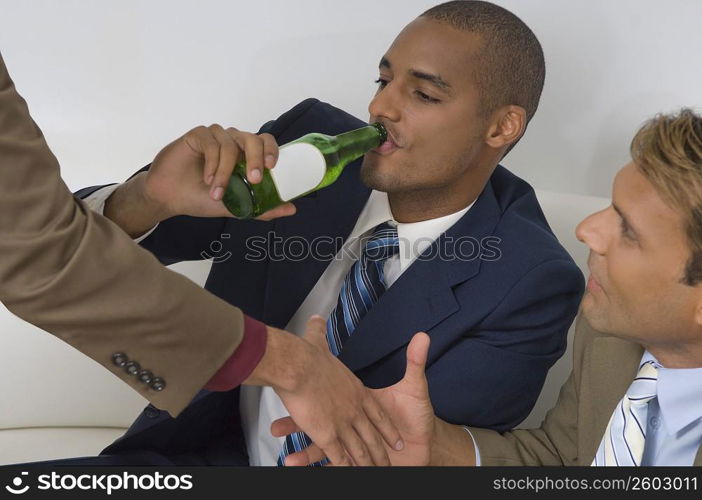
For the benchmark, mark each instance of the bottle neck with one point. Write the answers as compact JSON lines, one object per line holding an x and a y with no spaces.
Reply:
{"x":356,"y":143}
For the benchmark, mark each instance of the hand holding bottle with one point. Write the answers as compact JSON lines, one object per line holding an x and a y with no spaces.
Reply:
{"x":188,"y":177}
{"x":185,"y":176}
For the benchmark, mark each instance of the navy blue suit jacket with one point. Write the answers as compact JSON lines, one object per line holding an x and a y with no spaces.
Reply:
{"x":496,"y":324}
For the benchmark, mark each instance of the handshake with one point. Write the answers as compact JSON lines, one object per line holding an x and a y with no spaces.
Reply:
{"x":349,"y":424}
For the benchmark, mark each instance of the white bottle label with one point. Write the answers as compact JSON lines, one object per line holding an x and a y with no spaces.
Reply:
{"x":300,"y":168}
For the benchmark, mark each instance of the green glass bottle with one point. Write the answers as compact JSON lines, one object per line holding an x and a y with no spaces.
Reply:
{"x":307,"y":164}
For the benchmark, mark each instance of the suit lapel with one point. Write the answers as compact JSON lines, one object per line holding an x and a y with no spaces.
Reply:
{"x":423,"y":295}
{"x":608,"y":372}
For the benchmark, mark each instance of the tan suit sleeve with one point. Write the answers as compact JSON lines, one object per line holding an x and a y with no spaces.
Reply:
{"x":556,"y":441}
{"x":78,"y":276}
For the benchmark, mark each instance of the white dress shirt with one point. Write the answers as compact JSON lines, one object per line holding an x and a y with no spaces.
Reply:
{"x":260,"y":406}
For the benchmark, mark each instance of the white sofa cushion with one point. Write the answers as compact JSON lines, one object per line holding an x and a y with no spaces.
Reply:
{"x":49,"y":443}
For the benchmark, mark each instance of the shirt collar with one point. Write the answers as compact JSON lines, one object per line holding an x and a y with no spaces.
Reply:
{"x":678,"y":392}
{"x":414,"y":237}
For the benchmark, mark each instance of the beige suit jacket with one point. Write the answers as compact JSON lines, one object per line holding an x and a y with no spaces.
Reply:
{"x":78,"y":276}
{"x":603,"y":369}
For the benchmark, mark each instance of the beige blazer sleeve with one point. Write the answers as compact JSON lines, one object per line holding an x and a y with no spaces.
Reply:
{"x":556,"y":441}
{"x":78,"y":276}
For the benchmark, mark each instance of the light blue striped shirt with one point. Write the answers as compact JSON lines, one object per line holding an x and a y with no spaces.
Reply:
{"x":674,"y":420}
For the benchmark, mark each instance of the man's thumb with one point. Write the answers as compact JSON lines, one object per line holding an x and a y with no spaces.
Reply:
{"x":316,"y":332}
{"x":417,"y":358}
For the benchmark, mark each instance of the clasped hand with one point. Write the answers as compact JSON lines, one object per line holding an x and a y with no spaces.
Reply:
{"x":406,"y":404}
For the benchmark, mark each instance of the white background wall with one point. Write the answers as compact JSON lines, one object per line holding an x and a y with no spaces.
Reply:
{"x":111,"y":82}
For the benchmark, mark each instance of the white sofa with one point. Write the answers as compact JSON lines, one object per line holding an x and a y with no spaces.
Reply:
{"x":55,"y":402}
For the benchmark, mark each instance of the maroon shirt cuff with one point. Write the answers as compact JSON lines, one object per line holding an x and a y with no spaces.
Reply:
{"x":244,"y":359}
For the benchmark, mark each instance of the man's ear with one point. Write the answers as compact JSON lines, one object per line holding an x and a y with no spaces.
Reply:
{"x":508,"y":125}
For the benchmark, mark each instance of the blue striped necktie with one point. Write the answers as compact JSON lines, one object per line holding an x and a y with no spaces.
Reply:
{"x":362,"y":287}
{"x":625,"y":437}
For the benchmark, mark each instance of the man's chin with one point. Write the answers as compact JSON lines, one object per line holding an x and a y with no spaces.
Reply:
{"x":595,"y":314}
{"x":374,"y":177}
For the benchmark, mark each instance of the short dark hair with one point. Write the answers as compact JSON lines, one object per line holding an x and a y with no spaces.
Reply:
{"x":511,"y":65}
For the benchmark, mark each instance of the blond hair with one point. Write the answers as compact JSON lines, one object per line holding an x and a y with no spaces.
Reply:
{"x":668,"y":151}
